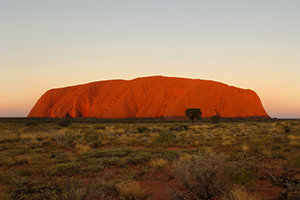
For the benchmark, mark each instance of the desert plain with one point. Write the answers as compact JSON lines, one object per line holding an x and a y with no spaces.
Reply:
{"x":91,"y":158}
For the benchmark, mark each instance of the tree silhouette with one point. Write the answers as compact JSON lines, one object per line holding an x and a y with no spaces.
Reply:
{"x":193,"y":113}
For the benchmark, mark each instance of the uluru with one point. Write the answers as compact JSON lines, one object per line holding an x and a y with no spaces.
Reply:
{"x":148,"y":97}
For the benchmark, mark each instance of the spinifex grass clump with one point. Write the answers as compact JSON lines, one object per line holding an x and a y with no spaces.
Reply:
{"x":131,"y":190}
{"x":92,"y":137}
{"x":68,"y":139}
{"x":165,"y":138}
{"x":240,"y":193}
{"x":159,"y":164}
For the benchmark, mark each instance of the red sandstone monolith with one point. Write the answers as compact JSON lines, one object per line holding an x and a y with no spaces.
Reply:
{"x":148,"y":97}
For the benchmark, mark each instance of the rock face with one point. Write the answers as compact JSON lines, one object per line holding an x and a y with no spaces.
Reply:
{"x":149,"y":97}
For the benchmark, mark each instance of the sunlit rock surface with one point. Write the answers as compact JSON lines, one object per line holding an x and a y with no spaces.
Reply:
{"x":149,"y":97}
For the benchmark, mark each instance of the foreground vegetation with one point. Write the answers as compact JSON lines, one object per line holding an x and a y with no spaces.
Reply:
{"x":148,"y":159}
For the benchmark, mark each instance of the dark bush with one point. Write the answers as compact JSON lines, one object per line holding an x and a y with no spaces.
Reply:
{"x":99,"y":127}
{"x":179,"y":128}
{"x":64,"y":122}
{"x":287,"y":129}
{"x":216,"y":118}
{"x":143,"y":129}
{"x":165,"y":137}
{"x":93,"y":138}
{"x":31,"y":123}
{"x":157,"y":130}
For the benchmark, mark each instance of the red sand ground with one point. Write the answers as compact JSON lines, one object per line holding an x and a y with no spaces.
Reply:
{"x":148,"y":97}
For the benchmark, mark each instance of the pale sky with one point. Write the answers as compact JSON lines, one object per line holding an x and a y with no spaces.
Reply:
{"x":249,"y":44}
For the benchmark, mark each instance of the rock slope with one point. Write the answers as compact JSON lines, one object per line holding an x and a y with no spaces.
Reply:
{"x":148,"y":97}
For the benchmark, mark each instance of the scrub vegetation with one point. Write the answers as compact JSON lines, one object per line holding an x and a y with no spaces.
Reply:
{"x":88,"y":158}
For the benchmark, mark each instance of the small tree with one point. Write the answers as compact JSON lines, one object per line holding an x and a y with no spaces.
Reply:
{"x":193,"y":113}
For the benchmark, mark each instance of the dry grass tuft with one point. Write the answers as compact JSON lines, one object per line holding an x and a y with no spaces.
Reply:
{"x":185,"y":158}
{"x":144,"y":139}
{"x":227,"y":143}
{"x":240,"y":193}
{"x":196,"y":143}
{"x":18,"y":160}
{"x":131,"y":190}
{"x":293,"y":137}
{"x":245,"y":147}
{"x":9,"y":137}
{"x":22,"y":159}
{"x":267,"y":152}
{"x":294,"y":140}
{"x":294,"y":143}
{"x":105,"y":142}
{"x":80,"y":149}
{"x":159,"y":164}
{"x":8,"y":162}
{"x":207,"y":150}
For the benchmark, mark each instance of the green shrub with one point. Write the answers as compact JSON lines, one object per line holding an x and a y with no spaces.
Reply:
{"x":241,"y":173}
{"x":20,"y":188}
{"x":296,"y":161}
{"x":93,"y":168}
{"x":63,"y":189}
{"x":93,"y":138}
{"x":25,"y":172}
{"x":165,"y":137}
{"x":56,"y":188}
{"x":69,"y":168}
{"x":66,"y":140}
